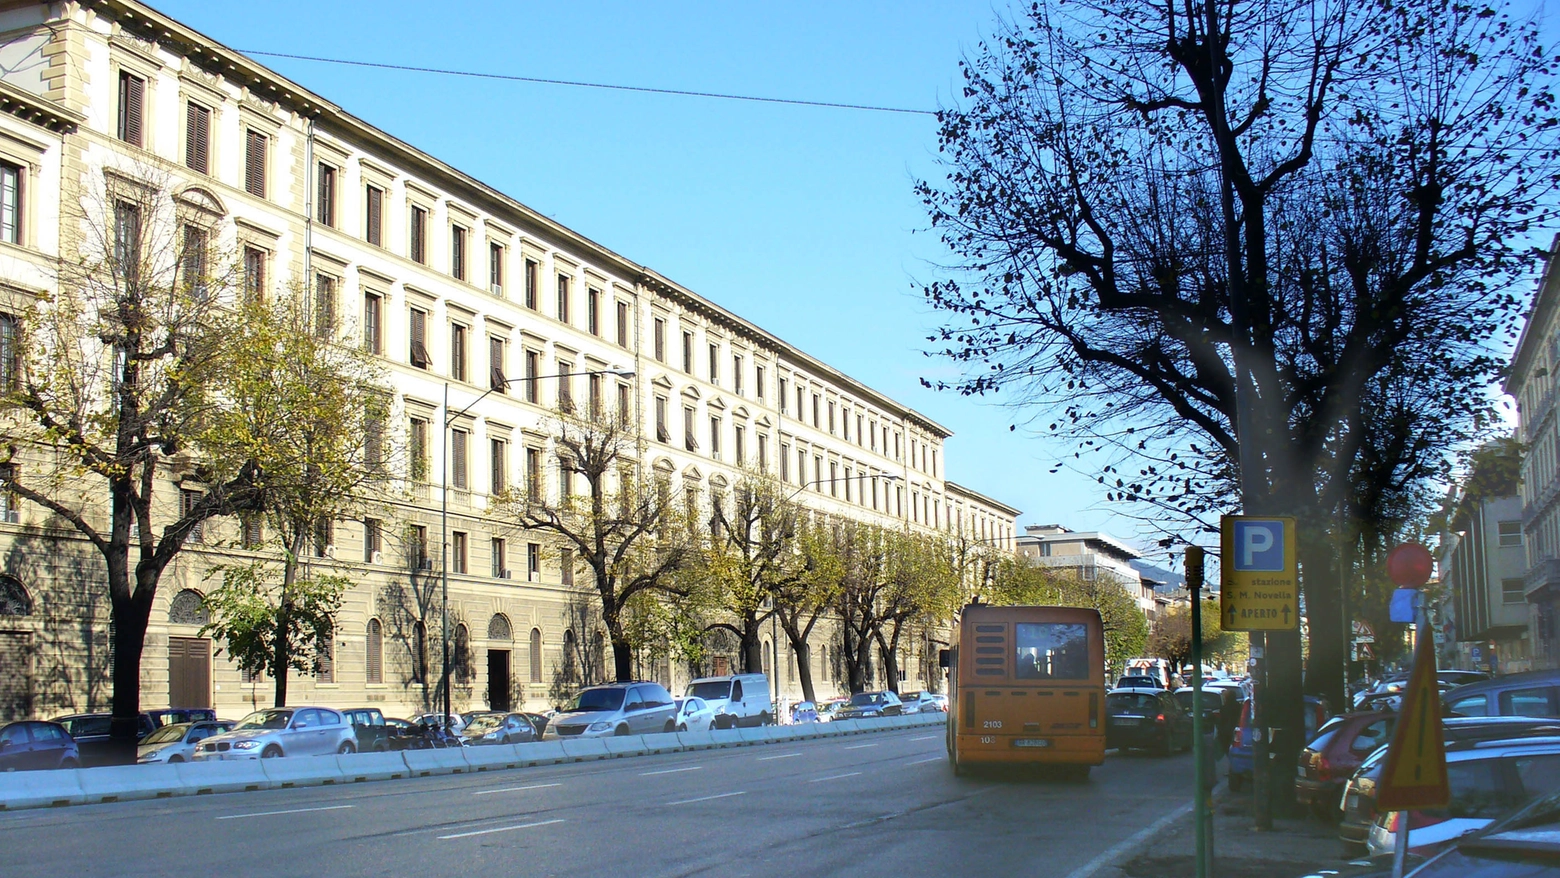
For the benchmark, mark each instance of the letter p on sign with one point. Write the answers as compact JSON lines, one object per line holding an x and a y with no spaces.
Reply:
{"x":1259,"y":545}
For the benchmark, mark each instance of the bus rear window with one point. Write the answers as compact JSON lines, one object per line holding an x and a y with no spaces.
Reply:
{"x":1051,"y":651}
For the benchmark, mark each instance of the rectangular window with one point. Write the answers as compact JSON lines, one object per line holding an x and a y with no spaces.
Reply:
{"x":419,"y":339}
{"x":127,"y":241}
{"x":373,"y":540}
{"x":255,"y":149}
{"x":1510,"y":533}
{"x":457,"y":352}
{"x":763,"y":452}
{"x":845,"y":423}
{"x":834,"y":479}
{"x":530,"y":284}
{"x":714,"y":364}
{"x":831,"y":418}
{"x":715,"y":438}
{"x":373,"y":323}
{"x":690,"y":442}
{"x":687,"y":339}
{"x":498,"y":376}
{"x":785,"y":462}
{"x":623,"y":404}
{"x":325,"y":195}
{"x":324,"y":538}
{"x":373,"y":440}
{"x":736,"y":375}
{"x":197,"y":138}
{"x":418,"y":449}
{"x":495,"y":268}
{"x":498,"y":465}
{"x":10,"y":353}
{"x":1513,"y":591}
{"x":861,"y":434}
{"x":782,"y":396}
{"x":458,"y":552}
{"x":801,"y":467}
{"x":758,"y":382}
{"x":533,"y":474}
{"x":563,"y":298}
{"x":817,"y":422}
{"x":622,"y":324}
{"x":193,"y":261}
{"x":457,"y":252}
{"x":738,"y":437}
{"x":593,"y":311}
{"x":500,"y":567}
{"x":662,"y":433}
{"x":533,"y":562}
{"x":595,"y":396}
{"x":818,"y":478}
{"x":847,"y":484}
{"x":417,"y":247}
{"x":565,"y":481}
{"x":324,"y":306}
{"x":254,"y":274}
{"x":373,"y":221}
{"x":659,"y":340}
{"x":132,"y":108}
{"x":459,"y":440}
{"x":566,"y":566}
{"x":565,"y":387}
{"x":187,"y":502}
{"x":533,"y":371}
{"x":417,"y":548}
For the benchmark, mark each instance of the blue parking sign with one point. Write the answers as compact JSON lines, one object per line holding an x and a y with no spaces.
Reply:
{"x":1259,"y":545}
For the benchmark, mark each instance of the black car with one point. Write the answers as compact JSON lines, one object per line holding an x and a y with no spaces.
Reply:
{"x":1139,"y":720}
{"x":1534,"y":693}
{"x":167,"y":716}
{"x":31,"y":745}
{"x":538,"y":722}
{"x":870,"y":704}
{"x":90,"y":731}
{"x":369,"y":724}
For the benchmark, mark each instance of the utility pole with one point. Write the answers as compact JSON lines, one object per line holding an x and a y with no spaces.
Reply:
{"x":1200,"y":801}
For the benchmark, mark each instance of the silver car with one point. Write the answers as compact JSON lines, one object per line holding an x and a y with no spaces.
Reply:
{"x":177,"y":742}
{"x":615,"y":709}
{"x":282,"y":731}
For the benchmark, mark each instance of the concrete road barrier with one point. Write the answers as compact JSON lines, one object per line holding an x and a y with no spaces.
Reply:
{"x":627,"y":745}
{"x":583,"y":749}
{"x":661,"y":742}
{"x":124,"y":783}
{"x":695,"y":740}
{"x":40,"y":789}
{"x":541,"y":753}
{"x":489,"y":757}
{"x":360,"y":767}
{"x":725,"y":737}
{"x":424,"y":763}
{"x":301,"y":771}
{"x":201,"y":778}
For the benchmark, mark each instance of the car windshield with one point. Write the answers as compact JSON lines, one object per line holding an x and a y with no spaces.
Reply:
{"x":264,"y":719}
{"x":595,"y":699}
{"x":711,"y":689}
{"x":166,"y":734}
{"x":866,"y":699}
{"x":1131,"y":702}
{"x":484,"y":723}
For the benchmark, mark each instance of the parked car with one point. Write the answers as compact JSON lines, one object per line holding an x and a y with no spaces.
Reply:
{"x":456,"y":723}
{"x":282,"y":731}
{"x":615,"y":709}
{"x":828,"y":709}
{"x":498,"y":728}
{"x":738,"y":700}
{"x":1358,"y":801}
{"x":1486,"y":781}
{"x":918,"y":702}
{"x":167,"y":715}
{"x":939,"y":703}
{"x":1240,"y":747}
{"x":177,"y":742}
{"x":31,"y":745}
{"x":538,"y":722}
{"x":863,"y":705}
{"x":1146,"y":720}
{"x":368,"y":723}
{"x":1138,"y":681}
{"x":417,"y":736}
{"x":90,"y":732}
{"x":804,"y":712}
{"x":1340,"y":745}
{"x":1534,"y":693}
{"x":1519,"y":845}
{"x":1210,"y":704}
{"x":694,"y":715}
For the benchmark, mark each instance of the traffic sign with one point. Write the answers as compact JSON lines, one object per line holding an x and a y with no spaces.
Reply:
{"x":1410,"y":565}
{"x":1363,"y":633}
{"x":1415,"y":774}
{"x":1260,"y":589}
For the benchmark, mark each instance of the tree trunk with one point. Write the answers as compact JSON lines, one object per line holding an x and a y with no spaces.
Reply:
{"x":1324,"y":670}
{"x":803,"y":653}
{"x":131,"y":612}
{"x":854,"y":660}
{"x":752,"y":647}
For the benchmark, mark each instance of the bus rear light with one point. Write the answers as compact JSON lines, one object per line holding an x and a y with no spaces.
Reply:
{"x":1094,"y":710}
{"x":969,"y":710}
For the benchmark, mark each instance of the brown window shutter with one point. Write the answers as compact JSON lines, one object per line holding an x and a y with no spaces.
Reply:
{"x":498,"y":381}
{"x":375,"y":209}
{"x":197,"y":146}
{"x":132,"y":99}
{"x":254,"y":164}
{"x":419,"y":352}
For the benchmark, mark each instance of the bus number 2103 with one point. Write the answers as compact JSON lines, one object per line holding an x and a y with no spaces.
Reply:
{"x":993,"y":724}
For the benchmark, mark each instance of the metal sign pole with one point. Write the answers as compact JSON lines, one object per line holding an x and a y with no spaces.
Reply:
{"x":1194,"y":581}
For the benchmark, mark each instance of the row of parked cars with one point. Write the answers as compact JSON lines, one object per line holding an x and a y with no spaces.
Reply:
{"x":640,"y":707}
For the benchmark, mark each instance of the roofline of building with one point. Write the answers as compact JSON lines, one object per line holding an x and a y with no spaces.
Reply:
{"x":1085,"y":536}
{"x":231,"y":64}
{"x":1538,"y":316}
{"x":956,"y":488}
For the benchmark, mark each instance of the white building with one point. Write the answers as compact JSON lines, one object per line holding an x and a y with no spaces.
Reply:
{"x":1094,"y":554}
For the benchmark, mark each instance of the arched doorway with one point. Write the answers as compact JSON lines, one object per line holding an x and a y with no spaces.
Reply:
{"x":500,"y":635}
{"x":189,"y":658}
{"x":16,"y":670}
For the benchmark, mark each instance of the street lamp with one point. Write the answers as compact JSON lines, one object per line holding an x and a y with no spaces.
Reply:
{"x":887,"y":477}
{"x":444,"y":503}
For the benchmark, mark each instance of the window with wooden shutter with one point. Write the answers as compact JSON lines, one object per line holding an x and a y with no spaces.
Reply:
{"x":457,"y":252}
{"x":132,"y":112}
{"x":374,"y":200}
{"x":324,"y":660}
{"x":254,"y":274}
{"x":10,"y":203}
{"x":622,"y":324}
{"x":419,"y":351}
{"x":530,"y":284}
{"x":458,"y":445}
{"x":457,"y":352}
{"x":533,"y":366}
{"x":375,"y":652}
{"x":324,"y":305}
{"x":593,"y":311}
{"x":563,"y":298}
{"x":325,"y":204}
{"x":196,"y":241}
{"x":197,"y":138}
{"x":497,"y":380}
{"x":495,"y":268}
{"x":373,"y":318}
{"x":419,"y":235}
{"x":497,"y":464}
{"x":254,"y":163}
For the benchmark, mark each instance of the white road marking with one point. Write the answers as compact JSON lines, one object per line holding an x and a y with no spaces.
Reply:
{"x":926,"y":737}
{"x":1115,"y":852}
{"x":781,"y":756}
{"x":499,"y":829}
{"x":708,"y":798}
{"x":671,"y":770}
{"x":926,"y":760}
{"x":288,"y":811}
{"x":859,"y":747}
{"x":834,"y":777}
{"x":539,"y":786}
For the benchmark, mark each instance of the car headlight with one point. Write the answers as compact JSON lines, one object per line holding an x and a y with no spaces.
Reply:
{"x":599,"y":727}
{"x":245,"y":745}
{"x":489,"y":736}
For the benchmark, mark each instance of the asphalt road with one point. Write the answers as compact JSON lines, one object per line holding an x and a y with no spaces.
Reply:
{"x":884,"y":804}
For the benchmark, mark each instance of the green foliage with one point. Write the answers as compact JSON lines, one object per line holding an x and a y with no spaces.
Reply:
{"x":1017,"y":583}
{"x":250,"y":609}
{"x":1170,"y":637}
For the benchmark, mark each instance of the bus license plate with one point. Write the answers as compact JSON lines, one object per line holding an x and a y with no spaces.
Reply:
{"x":1031,"y":742}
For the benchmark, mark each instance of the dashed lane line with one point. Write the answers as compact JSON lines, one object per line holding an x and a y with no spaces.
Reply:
{"x":859,"y":747}
{"x":708,"y":798}
{"x":536,"y":786}
{"x":500,"y":829}
{"x":926,"y":760}
{"x":781,"y":756}
{"x":834,"y":777}
{"x":926,"y":737}
{"x":288,"y":811}
{"x":671,"y":770}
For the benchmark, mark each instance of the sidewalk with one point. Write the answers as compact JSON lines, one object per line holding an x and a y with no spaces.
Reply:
{"x":1294,"y":848}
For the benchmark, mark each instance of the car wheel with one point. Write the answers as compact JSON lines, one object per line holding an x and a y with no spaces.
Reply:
{"x":670,"y":727}
{"x":764,"y":718}
{"x":380,"y":747}
{"x":620,"y":731}
{"x":271,"y":752}
{"x":173,"y":759}
{"x":1236,"y":782}
{"x":70,"y":763}
{"x":346,"y":747}
{"x":683,"y":727}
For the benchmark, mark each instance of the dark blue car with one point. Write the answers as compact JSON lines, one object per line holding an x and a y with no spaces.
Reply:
{"x":33,"y":746}
{"x":1240,"y":749}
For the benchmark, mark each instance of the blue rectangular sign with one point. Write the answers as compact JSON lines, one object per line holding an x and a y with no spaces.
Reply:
{"x":1259,"y":545}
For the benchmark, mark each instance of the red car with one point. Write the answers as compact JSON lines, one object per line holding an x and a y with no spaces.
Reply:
{"x":1332,"y":756}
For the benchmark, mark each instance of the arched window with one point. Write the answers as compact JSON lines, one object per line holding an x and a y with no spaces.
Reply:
{"x":536,"y":655}
{"x":188,"y":608}
{"x":419,"y":652}
{"x":325,"y":660}
{"x":600,"y":642}
{"x":462,"y":655}
{"x":14,"y":600}
{"x":498,"y":628}
{"x":765,"y":650}
{"x":376,"y":652}
{"x":570,"y":652}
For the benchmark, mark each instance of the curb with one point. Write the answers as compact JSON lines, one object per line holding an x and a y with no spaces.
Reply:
{"x":122,"y":783}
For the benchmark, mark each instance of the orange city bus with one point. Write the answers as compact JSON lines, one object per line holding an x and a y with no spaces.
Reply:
{"x":1027,"y":685}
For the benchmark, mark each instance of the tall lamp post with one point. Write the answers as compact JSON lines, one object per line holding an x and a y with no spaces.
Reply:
{"x":444,"y":504}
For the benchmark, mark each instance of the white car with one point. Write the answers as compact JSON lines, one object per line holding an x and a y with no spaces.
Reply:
{"x":282,"y":731}
{"x":177,"y":742}
{"x":694,"y":715}
{"x":1487,"y":780}
{"x":921,"y":702}
{"x":738,"y":700}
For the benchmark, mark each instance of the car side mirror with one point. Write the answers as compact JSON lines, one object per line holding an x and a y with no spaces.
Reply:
{"x":944,"y":658}
{"x":300,"y":725}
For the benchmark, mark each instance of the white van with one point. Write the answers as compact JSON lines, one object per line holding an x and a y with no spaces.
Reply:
{"x":738,"y":699}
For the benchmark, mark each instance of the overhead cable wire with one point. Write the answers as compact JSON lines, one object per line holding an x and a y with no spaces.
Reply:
{"x":602,"y":85}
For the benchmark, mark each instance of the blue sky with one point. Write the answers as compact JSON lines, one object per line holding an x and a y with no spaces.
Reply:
{"x":800,"y":219}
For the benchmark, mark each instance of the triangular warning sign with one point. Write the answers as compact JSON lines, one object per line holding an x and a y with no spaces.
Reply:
{"x":1415,"y":774}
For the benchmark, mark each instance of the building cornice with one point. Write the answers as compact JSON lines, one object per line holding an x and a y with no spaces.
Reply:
{"x":39,"y":111}
{"x":957,"y":489}
{"x":1544,"y":303}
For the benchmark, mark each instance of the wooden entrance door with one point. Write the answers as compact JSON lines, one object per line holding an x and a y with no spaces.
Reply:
{"x":498,"y":679}
{"x":15,"y":675}
{"x":189,"y":672}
